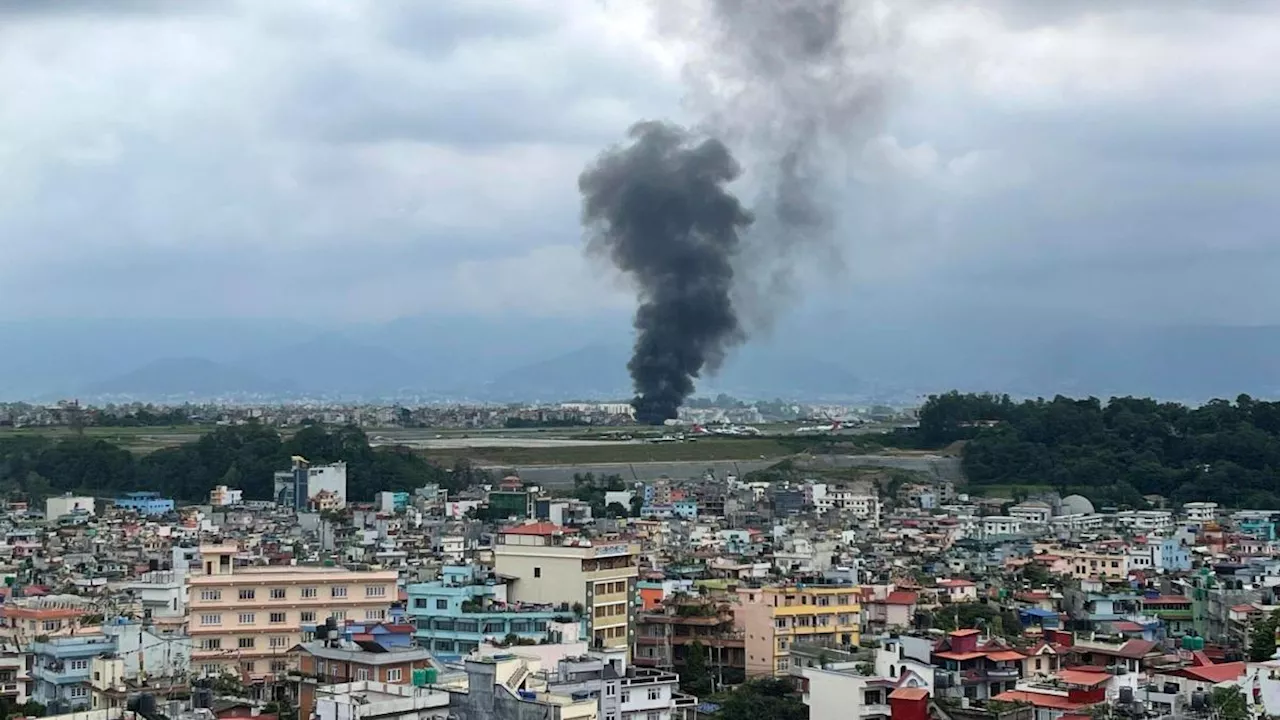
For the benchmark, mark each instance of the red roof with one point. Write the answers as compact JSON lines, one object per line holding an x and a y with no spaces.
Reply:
{"x":901,"y":597}
{"x":542,"y":528}
{"x":959,"y":657}
{"x":1083,"y":679}
{"x":1057,"y":702}
{"x":1006,"y":656}
{"x":965,"y":632}
{"x":1216,"y":673}
{"x":953,"y":583}
{"x":909,"y":694}
{"x":1126,"y":626}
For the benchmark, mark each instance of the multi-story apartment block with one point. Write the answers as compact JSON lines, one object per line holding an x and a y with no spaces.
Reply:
{"x":1200,"y":511}
{"x":468,"y":605}
{"x":299,"y":485}
{"x":15,"y":675}
{"x":665,"y":638}
{"x":775,"y":616}
{"x":325,"y":662}
{"x":551,"y":565}
{"x":60,"y":670}
{"x":245,"y":620}
{"x":621,"y":692}
{"x":1146,"y":521}
{"x":223,"y":496}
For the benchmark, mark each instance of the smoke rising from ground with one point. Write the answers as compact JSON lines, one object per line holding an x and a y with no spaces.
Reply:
{"x":789,"y":84}
{"x":658,"y":208}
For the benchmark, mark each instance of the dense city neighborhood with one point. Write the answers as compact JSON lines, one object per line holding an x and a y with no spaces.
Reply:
{"x":881,"y":596}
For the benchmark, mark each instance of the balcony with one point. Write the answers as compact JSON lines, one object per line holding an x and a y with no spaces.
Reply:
{"x":59,"y":673}
{"x":1002,"y":673}
{"x":874,"y":710}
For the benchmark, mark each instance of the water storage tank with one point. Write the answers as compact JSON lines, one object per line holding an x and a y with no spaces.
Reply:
{"x":1198,"y":700}
{"x":431,"y":675}
{"x":1126,"y":694}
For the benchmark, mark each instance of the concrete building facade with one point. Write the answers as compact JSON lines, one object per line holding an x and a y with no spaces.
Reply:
{"x":552,"y":566}
{"x":245,"y":621}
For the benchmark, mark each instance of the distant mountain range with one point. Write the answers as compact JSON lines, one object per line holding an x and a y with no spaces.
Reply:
{"x":517,"y":359}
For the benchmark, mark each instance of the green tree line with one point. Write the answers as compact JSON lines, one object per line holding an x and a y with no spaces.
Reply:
{"x":1115,"y":452}
{"x":243,"y":456}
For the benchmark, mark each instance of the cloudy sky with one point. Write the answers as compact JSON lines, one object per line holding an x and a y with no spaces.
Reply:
{"x":365,"y":161}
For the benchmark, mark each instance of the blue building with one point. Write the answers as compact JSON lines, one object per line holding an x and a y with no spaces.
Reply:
{"x":468,"y":605}
{"x":145,"y":503}
{"x":1174,"y":557}
{"x":60,"y":670}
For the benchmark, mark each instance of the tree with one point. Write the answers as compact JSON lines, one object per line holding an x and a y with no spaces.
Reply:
{"x":764,"y":698}
{"x":1229,"y":703}
{"x":694,"y":677}
{"x":615,"y":510}
{"x":1262,"y":638}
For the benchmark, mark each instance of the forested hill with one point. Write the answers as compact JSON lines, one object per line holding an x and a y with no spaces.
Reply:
{"x":1116,"y":452}
{"x":244,"y":456}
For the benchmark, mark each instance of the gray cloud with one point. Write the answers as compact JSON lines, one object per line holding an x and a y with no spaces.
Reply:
{"x":367,"y":160}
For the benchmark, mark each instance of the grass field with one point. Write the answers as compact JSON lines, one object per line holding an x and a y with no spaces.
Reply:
{"x":138,"y":440}
{"x":706,"y":449}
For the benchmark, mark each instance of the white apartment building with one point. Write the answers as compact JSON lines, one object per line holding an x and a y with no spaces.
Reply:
{"x":56,"y":507}
{"x":860,"y":505}
{"x":302,"y":483}
{"x":1032,"y":511}
{"x":1078,"y":522}
{"x":1146,"y":521}
{"x":994,"y":525}
{"x":1200,"y":511}
{"x":223,"y":496}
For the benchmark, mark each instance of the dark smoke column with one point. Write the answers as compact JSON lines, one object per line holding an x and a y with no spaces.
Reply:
{"x":658,"y":207}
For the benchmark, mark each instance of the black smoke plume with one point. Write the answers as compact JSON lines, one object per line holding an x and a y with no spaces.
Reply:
{"x":658,"y":207}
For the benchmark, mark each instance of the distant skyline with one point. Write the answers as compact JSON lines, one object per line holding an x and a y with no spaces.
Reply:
{"x":358,"y":162}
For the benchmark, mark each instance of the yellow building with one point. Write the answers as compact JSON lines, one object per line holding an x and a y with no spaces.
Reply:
{"x":774,"y":617}
{"x":246,"y":621}
{"x":553,"y":566}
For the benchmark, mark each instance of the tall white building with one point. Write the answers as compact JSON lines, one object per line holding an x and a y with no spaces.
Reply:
{"x":56,"y":507}
{"x":300,"y":484}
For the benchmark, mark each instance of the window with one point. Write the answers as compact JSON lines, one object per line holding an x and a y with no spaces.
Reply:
{"x":247,"y":618}
{"x":50,"y":625}
{"x":652,"y":716}
{"x":211,"y":619}
{"x":210,"y":594}
{"x":537,"y":572}
{"x":79,"y":691}
{"x":374,"y":614}
{"x":375,"y":591}
{"x":277,"y":618}
{"x":308,"y":592}
{"x":655,"y":693}
{"x":210,"y":668}
{"x":339,"y":615}
{"x":338,"y":592}
{"x":278,"y":593}
{"x":610,"y":690}
{"x":212,"y":643}
{"x":247,"y":593}
{"x":362,"y":674}
{"x":78,"y":665}
{"x":395,"y":675}
{"x":780,"y":623}
{"x":442,"y":604}
{"x":278,"y":641}
{"x":247,"y":666}
{"x":279,"y":666}
{"x":307,"y":616}
{"x":245,"y":643}
{"x":626,"y":696}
